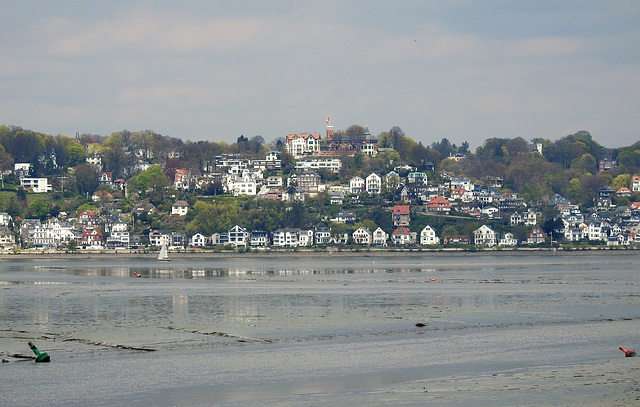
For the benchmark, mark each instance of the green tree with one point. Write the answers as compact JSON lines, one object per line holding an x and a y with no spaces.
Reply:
{"x":586,"y":163}
{"x":86,"y":178}
{"x":72,"y":245}
{"x":38,"y":209}
{"x":621,"y":181}
{"x":75,"y":153}
{"x":150,"y":177}
{"x":295,"y":216}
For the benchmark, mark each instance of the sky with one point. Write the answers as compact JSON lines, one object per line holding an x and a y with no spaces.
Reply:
{"x":465,"y":70}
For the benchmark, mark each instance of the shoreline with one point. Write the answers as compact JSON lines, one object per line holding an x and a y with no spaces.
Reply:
{"x":360,"y":252}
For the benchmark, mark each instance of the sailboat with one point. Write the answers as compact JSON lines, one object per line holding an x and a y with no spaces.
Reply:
{"x":164,"y":255}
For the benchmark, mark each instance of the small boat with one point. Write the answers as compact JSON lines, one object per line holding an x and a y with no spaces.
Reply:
{"x":164,"y":255}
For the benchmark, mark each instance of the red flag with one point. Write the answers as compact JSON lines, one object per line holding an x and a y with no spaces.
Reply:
{"x":328,"y":118}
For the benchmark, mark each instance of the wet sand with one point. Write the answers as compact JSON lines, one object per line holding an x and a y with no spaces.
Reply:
{"x":481,"y":331}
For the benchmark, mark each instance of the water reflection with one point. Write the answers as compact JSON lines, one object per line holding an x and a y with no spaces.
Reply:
{"x":228,"y":301}
{"x":216,"y":272}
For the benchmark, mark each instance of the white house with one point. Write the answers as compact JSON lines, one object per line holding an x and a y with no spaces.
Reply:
{"x":356,"y":185}
{"x":373,"y":184}
{"x":238,"y":236}
{"x":300,"y":144}
{"x":323,"y":235}
{"x":508,"y":240}
{"x":344,"y":216}
{"x":49,"y":235}
{"x":331,"y":164}
{"x":180,"y":208}
{"x":198,"y":240}
{"x":22,"y":170}
{"x":635,"y":183}
{"x":118,"y":240}
{"x":527,"y":218}
{"x":94,"y":160}
{"x":37,"y":185}
{"x":5,"y":219}
{"x":379,"y":237}
{"x":259,"y":238}
{"x":286,"y":237}
{"x":244,"y":185}
{"x":158,"y":238}
{"x":362,"y":236}
{"x":403,"y":236}
{"x":428,"y":236}
{"x":484,"y":236}
{"x":305,"y":238}
{"x":7,"y":238}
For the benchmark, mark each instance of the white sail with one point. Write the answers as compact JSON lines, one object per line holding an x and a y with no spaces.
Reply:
{"x":164,"y":255}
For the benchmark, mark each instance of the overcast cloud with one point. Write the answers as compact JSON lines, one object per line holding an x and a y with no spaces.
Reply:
{"x":213,"y":70}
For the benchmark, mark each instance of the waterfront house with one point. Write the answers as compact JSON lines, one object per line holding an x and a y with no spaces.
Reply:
{"x":484,"y":236}
{"x":428,"y":236}
{"x":362,"y":236}
{"x":403,"y":236}
{"x":379,"y":238}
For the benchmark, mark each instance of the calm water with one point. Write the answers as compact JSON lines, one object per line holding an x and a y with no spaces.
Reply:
{"x":308,"y":331}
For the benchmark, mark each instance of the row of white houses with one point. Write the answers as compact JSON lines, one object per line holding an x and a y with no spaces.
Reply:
{"x":294,"y":237}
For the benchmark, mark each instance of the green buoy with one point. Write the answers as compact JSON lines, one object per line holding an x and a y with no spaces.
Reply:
{"x":41,"y":357}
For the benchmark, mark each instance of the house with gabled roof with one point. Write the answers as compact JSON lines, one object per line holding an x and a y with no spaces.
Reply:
{"x":158,"y":237}
{"x":624,"y":191}
{"x":181,"y":179}
{"x":238,"y":236}
{"x":7,"y":238}
{"x":484,"y":236}
{"x":401,"y":215}
{"x":362,"y":236}
{"x":259,"y":238}
{"x":345,"y":216}
{"x":439,"y":204}
{"x":293,"y":194}
{"x":428,"y":236}
{"x":302,"y":144}
{"x":402,"y":236}
{"x":536,"y":235}
{"x":379,"y":238}
{"x":373,"y":184}
{"x":635,"y":183}
{"x":105,"y":178}
{"x":198,"y":240}
{"x":357,"y":185}
{"x":88,"y":218}
{"x":92,"y":239}
{"x":180,"y":208}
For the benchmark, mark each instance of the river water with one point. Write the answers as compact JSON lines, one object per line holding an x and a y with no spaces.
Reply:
{"x":315,"y":331}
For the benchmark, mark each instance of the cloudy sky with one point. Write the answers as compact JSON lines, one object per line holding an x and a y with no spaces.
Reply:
{"x":215,"y":70}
